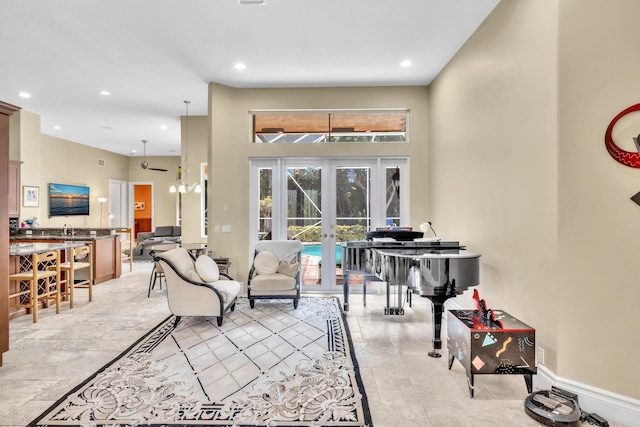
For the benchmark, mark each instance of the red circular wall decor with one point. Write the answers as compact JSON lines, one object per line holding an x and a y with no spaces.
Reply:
{"x":627,"y":158}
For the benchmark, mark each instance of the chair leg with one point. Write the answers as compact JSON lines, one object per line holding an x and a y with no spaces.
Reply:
{"x":33,"y":300}
{"x":219,"y":318}
{"x":295,"y":303}
{"x":175,"y":323}
{"x":233,"y":307}
{"x":57,"y":278}
{"x":71,"y":280}
{"x":252,"y":303}
{"x":152,"y":282}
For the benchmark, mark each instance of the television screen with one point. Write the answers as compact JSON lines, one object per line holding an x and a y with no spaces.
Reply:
{"x":67,"y":200}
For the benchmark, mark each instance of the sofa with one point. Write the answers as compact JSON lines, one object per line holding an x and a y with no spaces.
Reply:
{"x":162,"y":234}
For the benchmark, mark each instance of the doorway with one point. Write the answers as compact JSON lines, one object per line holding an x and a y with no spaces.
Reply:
{"x":322,"y":203}
{"x":141,"y":206}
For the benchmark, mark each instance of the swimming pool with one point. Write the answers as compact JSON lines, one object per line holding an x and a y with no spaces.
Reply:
{"x":315,"y":249}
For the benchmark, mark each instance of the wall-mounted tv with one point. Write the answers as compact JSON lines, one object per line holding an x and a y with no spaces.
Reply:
{"x":67,"y":200}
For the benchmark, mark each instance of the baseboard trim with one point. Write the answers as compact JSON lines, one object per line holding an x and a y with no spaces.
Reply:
{"x":610,"y":406}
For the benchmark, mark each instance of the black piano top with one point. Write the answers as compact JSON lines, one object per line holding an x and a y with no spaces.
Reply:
{"x":396,"y":234}
{"x":432,"y":253}
{"x":424,"y":243}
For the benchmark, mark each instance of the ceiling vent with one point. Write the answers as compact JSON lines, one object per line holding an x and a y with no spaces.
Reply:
{"x":252,"y":1}
{"x":100,"y":162}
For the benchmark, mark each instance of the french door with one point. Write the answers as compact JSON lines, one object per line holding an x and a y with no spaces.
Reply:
{"x":323,"y":202}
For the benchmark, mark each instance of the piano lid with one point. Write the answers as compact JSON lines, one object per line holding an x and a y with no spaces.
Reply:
{"x":397,"y":234}
{"x":431,"y":253}
{"x":371,"y":244}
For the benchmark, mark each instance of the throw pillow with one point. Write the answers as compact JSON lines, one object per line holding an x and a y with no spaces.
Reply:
{"x":207,"y":269}
{"x":288,"y":269}
{"x":266,"y":262}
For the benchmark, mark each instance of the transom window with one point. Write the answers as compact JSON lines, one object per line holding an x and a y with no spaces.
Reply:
{"x":304,"y":126}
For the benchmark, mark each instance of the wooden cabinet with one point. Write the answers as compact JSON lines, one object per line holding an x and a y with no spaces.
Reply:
{"x":105,"y":257}
{"x":5,"y":111}
{"x":14,"y":189}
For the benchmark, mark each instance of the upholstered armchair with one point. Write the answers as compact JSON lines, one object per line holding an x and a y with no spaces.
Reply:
{"x":195,"y":287}
{"x":275,"y":271}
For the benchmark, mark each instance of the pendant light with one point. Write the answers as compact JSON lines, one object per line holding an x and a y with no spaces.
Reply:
{"x":182,"y":187}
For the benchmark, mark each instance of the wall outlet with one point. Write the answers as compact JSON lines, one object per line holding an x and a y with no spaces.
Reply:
{"x":226,"y":229}
{"x":216,"y":229}
{"x":92,"y":232}
{"x":541,"y":355}
{"x":29,"y":232}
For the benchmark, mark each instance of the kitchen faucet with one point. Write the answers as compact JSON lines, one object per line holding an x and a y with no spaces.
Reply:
{"x":64,"y":231}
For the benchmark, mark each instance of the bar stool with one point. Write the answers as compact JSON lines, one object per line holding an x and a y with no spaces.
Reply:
{"x":40,"y":274}
{"x":126,"y":245}
{"x":70,"y":267}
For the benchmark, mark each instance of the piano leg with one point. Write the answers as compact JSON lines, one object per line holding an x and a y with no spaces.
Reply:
{"x":364,"y":290}
{"x":438,"y":308}
{"x":345,"y":290}
{"x":398,"y":299}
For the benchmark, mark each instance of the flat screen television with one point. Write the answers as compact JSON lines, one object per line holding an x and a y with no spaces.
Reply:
{"x":67,"y":200}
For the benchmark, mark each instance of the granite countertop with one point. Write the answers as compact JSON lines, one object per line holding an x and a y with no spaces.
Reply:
{"x":22,"y":249}
{"x":58,"y":237}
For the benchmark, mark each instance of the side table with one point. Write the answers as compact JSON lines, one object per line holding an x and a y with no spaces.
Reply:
{"x":491,"y":350}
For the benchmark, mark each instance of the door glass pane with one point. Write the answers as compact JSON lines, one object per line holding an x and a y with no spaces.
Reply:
{"x":304,"y":218}
{"x":392,"y":199}
{"x":266,"y":201}
{"x":353,"y":209}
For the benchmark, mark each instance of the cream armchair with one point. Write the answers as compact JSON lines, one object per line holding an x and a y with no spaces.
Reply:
{"x":275,"y":271}
{"x":195,"y":287}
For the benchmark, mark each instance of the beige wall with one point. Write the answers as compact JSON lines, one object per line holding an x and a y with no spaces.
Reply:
{"x":192,"y":203}
{"x":599,"y":225}
{"x":519,"y":115}
{"x":231,"y":150}
{"x":48,"y":159}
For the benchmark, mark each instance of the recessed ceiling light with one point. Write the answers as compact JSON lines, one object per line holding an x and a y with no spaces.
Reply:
{"x":163,"y":127}
{"x":107,"y":128}
{"x":57,"y":127}
{"x":24,"y":95}
{"x":239,"y":66}
{"x":252,"y":1}
{"x":104,"y":93}
{"x":405,"y":63}
{"x":133,"y":151}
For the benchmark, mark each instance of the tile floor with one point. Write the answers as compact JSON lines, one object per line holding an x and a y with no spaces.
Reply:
{"x":404,"y":386}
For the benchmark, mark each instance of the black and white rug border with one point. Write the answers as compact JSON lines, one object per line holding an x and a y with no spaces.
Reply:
{"x":163,"y":324}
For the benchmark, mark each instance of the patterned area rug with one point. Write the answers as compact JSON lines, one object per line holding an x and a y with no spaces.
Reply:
{"x":269,"y":366}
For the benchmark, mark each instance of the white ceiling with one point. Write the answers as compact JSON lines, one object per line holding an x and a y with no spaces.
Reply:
{"x":151,"y":55}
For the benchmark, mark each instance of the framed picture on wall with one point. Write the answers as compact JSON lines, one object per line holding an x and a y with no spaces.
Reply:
{"x":30,"y":196}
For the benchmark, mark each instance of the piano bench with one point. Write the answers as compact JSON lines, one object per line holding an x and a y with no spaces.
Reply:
{"x":491,"y":350}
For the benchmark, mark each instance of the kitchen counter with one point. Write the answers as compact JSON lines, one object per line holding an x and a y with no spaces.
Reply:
{"x":25,"y":249}
{"x":106,"y":247}
{"x":39,"y":237}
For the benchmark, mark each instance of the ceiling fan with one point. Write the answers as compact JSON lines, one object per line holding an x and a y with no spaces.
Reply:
{"x":144,"y":164}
